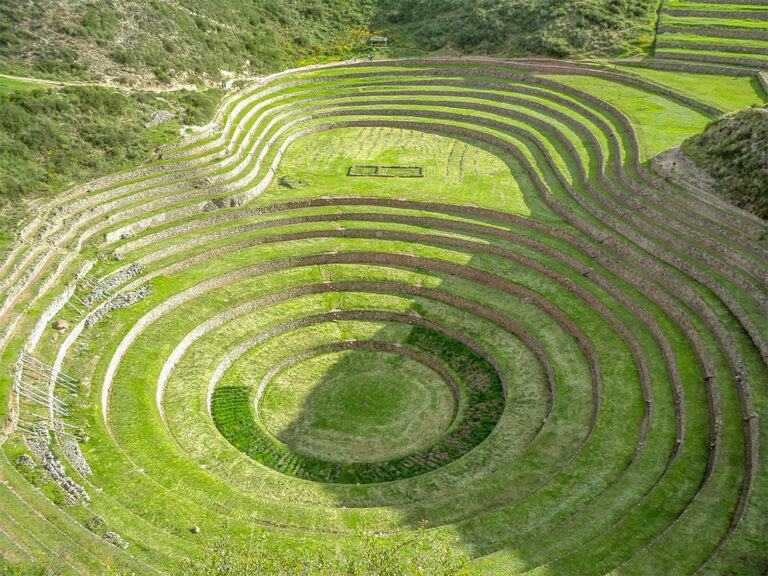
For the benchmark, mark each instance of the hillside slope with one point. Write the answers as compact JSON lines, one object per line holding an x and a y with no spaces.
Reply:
{"x":559,"y":28}
{"x":733,"y":151}
{"x":148,"y":41}
{"x":139,"y":40}
{"x":51,"y":137}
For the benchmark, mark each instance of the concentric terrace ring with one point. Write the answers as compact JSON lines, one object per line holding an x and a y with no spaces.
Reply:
{"x":258,"y":337}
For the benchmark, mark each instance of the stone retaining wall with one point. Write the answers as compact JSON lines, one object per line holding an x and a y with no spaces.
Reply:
{"x":727,"y":345}
{"x":731,"y":14}
{"x":762,"y":77}
{"x":753,"y":62}
{"x":714,"y":47}
{"x":542,"y":66}
{"x":56,"y":305}
{"x":659,"y":63}
{"x":587,"y":297}
{"x":709,"y":259}
{"x":717,"y":32}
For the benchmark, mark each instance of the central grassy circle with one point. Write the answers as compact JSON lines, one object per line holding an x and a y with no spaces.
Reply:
{"x":357,"y":406}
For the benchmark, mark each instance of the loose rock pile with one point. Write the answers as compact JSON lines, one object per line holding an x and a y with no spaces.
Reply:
{"x":41,"y":448}
{"x":158,"y":117}
{"x":96,"y":523}
{"x":75,"y":456}
{"x":107,"y":286}
{"x":25,"y":461}
{"x":116,"y":539}
{"x":118,"y":303}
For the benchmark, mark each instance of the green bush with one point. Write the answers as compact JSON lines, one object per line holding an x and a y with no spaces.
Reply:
{"x":199,"y":107}
{"x":99,"y":21}
{"x":55,"y":493}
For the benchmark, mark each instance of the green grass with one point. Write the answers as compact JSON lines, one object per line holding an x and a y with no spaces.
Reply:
{"x":8,"y":85}
{"x":702,"y":38}
{"x":452,"y":169}
{"x":357,"y":405}
{"x":720,"y":7}
{"x":577,"y":439}
{"x":711,"y":22}
{"x":647,"y":111}
{"x":725,"y":92}
{"x":378,"y":444}
{"x":759,"y":59}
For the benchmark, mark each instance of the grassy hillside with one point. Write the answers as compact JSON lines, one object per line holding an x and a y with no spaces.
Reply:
{"x":560,"y":28}
{"x":733,"y":151}
{"x":141,"y":41}
{"x":52,"y":137}
{"x":137,"y":40}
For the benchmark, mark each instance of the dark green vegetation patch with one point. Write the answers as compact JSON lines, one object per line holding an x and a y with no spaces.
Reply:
{"x":51,"y":138}
{"x":170,"y":41}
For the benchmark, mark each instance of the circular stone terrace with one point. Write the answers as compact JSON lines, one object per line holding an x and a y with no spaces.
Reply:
{"x":552,"y":354}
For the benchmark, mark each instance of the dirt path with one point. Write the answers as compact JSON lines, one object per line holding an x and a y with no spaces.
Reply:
{"x":106,"y":84}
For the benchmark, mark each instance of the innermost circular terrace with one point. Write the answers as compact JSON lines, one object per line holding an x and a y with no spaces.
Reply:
{"x":357,"y":406}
